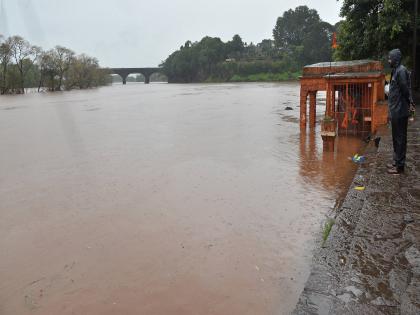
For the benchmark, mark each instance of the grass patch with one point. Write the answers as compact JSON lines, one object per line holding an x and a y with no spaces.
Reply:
{"x":327,"y":230}
{"x":266,"y":77}
{"x":257,"y":77}
{"x":213,"y":79}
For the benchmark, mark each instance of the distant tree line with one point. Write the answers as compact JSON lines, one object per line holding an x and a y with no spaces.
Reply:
{"x":300,"y":37}
{"x":23,"y":65}
{"x":369,"y":29}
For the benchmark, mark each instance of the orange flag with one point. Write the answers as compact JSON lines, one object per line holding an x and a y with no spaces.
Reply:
{"x":345,"y":123}
{"x":334,"y":41}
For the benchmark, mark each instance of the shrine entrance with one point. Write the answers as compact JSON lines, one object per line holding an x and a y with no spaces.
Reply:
{"x":355,"y":98}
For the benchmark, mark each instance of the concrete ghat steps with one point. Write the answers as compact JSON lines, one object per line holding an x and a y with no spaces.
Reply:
{"x":370,"y":263}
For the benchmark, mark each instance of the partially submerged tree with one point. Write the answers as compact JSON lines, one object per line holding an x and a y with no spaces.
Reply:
{"x":84,"y":73}
{"x":24,"y":65}
{"x":5,"y":59}
{"x":64,"y":58}
{"x":24,"y":55}
{"x":49,"y":71}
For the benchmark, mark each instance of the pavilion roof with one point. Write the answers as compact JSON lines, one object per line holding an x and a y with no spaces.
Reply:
{"x":355,"y":68}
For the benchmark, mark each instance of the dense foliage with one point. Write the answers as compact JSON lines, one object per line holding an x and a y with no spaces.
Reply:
{"x":23,"y":65}
{"x":368,"y":31}
{"x":300,"y":37}
{"x":371,"y":28}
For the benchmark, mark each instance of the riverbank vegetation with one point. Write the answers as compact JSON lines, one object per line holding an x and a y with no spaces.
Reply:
{"x":300,"y":37}
{"x":369,"y":30}
{"x":23,"y":65}
{"x":328,"y":225}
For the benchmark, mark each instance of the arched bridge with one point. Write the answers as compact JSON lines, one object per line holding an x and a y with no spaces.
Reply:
{"x":125,"y":72}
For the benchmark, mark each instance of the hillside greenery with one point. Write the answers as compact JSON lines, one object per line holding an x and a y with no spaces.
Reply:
{"x":300,"y":37}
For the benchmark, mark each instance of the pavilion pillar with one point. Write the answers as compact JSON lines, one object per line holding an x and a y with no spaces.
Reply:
{"x":329,"y":101}
{"x":328,"y":126}
{"x":303,"y":107}
{"x":312,"y":109}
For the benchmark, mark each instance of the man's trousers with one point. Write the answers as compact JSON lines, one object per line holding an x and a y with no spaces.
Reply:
{"x":399,"y":140}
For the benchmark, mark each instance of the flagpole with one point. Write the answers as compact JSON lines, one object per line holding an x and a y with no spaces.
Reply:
{"x":333,"y":46}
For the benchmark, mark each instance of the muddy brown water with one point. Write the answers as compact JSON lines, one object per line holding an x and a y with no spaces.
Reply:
{"x":161,"y":199}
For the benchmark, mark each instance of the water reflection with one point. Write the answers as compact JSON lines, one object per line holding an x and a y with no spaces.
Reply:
{"x":331,"y":170}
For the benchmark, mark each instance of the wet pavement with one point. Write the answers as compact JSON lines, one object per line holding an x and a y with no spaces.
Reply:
{"x":370,"y":263}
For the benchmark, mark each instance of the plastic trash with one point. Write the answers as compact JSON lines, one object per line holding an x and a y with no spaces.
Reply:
{"x":358,"y":158}
{"x":360,"y":188}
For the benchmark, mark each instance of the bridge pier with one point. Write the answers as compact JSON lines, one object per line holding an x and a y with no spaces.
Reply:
{"x":125,"y":72}
{"x":124,"y":77}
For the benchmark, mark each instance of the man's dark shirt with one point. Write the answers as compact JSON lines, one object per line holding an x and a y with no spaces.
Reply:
{"x":399,"y":88}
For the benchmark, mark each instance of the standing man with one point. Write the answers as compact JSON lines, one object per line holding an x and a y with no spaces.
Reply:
{"x":400,"y":103}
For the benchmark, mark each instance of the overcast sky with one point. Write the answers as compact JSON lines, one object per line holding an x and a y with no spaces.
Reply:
{"x":140,"y":33}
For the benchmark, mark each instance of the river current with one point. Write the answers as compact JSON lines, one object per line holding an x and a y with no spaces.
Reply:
{"x":162,"y":199}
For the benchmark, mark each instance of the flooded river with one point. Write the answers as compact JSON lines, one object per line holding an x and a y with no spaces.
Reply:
{"x":161,"y":199}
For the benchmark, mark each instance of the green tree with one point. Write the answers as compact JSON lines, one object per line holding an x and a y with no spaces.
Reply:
{"x":292,"y":28}
{"x":32,"y":75}
{"x":317,"y":43}
{"x":235,"y":47}
{"x":371,"y":28}
{"x":48,"y":70}
{"x":85,"y":73}
{"x":251,"y":51}
{"x":23,"y":51}
{"x":63,"y":59}
{"x":268,"y":48}
{"x":23,"y":65}
{"x":195,"y":62}
{"x":300,"y":37}
{"x":5,"y":61}
{"x":302,"y":34}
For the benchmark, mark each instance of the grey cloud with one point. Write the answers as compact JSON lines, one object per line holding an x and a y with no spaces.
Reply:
{"x":143,"y":32}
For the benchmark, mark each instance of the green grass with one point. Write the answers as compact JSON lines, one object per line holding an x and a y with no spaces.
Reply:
{"x":266,"y":77}
{"x":258,"y":77}
{"x":213,"y":79}
{"x":327,"y":229}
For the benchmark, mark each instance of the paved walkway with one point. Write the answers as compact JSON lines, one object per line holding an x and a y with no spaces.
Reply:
{"x":370,"y":263}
